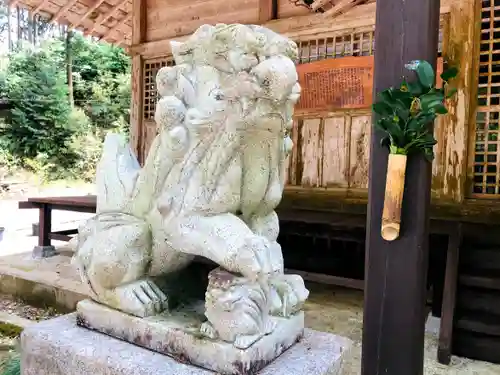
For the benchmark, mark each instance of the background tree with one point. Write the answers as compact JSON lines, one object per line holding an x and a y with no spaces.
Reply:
{"x":44,"y":132}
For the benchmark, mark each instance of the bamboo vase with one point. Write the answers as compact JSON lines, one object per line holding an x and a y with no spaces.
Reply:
{"x":394,"y":189}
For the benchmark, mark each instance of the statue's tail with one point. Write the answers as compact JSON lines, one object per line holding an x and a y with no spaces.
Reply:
{"x":116,"y":175}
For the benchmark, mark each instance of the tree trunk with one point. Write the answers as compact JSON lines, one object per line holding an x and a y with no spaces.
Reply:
{"x":30,"y":27}
{"x":35,"y":28}
{"x":19,"y":29}
{"x":69,"y":65}
{"x":9,"y":30}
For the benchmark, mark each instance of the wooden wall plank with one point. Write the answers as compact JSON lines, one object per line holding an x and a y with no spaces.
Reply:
{"x":336,"y":152}
{"x":149,"y":132}
{"x":287,"y":9}
{"x":296,"y":156}
{"x":311,"y":152}
{"x":308,"y":25}
{"x":359,"y":151}
{"x":166,"y":20}
{"x":268,"y":10}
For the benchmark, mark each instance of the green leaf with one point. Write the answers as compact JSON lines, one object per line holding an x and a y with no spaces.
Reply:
{"x":441,"y":109}
{"x":420,"y":121}
{"x":415,"y":88}
{"x":386,"y":96}
{"x":381,"y":125}
{"x":382,"y":108}
{"x":449,"y":74}
{"x":395,"y":131}
{"x":385,"y":142}
{"x":429,"y":154}
{"x":424,"y":71}
{"x":451,"y":91}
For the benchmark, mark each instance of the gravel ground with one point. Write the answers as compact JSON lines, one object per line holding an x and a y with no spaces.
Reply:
{"x":14,"y":306}
{"x":340,"y":311}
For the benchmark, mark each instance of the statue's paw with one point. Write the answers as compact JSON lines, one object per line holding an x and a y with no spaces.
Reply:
{"x":255,"y":258}
{"x":288,"y":294}
{"x":269,"y":326}
{"x":244,"y":342}
{"x":141,"y":298}
{"x":208,"y":330}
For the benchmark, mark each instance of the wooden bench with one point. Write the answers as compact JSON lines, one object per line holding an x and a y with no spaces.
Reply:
{"x":46,"y":205}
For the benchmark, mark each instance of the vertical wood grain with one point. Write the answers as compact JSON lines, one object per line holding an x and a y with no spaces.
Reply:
{"x":336,"y":152}
{"x":311,"y":153}
{"x":136,"y":107}
{"x":149,"y":133}
{"x":268,"y":10}
{"x":359,"y":151}
{"x":137,"y":99}
{"x":294,"y":172}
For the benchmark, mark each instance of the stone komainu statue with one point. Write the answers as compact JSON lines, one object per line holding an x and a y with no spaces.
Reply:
{"x":209,"y":186}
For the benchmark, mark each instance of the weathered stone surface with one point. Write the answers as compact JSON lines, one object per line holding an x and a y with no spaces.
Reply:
{"x":40,"y":252}
{"x":209,"y":187}
{"x":210,"y":183}
{"x":60,"y":347}
{"x":177,"y":334}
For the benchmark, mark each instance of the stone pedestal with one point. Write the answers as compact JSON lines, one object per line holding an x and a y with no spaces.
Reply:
{"x":60,"y":347}
{"x":177,"y":334}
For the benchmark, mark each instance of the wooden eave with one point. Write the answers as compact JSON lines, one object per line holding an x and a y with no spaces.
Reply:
{"x":108,"y":20}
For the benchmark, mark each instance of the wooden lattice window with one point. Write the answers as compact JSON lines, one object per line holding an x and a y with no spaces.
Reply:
{"x":486,"y":151}
{"x":358,"y":44}
{"x":342,"y":45}
{"x":151,"y":68}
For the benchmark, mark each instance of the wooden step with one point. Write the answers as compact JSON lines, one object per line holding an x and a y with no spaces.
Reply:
{"x":478,"y":322}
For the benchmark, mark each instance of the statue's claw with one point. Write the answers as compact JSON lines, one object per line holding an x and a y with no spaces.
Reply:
{"x":244,"y":342}
{"x":141,"y":298}
{"x":256,"y":258}
{"x":208,"y":330}
{"x":288,"y":294}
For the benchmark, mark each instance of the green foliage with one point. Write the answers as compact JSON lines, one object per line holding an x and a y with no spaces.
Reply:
{"x":404,"y":113}
{"x":12,"y":365}
{"x":38,"y":121}
{"x":43,"y":132}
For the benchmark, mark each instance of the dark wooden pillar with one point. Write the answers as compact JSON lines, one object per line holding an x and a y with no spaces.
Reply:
{"x":395,"y":280}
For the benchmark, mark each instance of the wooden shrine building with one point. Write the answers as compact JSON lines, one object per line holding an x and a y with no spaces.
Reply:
{"x":326,"y":193}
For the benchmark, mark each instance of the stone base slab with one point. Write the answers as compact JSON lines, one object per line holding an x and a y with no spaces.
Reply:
{"x":178,"y":335}
{"x":59,"y":347}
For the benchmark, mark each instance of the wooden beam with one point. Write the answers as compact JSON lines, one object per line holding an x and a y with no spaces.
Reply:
{"x":13,"y":3}
{"x":136,"y":110}
{"x":62,"y":11}
{"x":319,"y":4}
{"x":312,"y":25}
{"x":96,"y":5}
{"x":116,"y":27}
{"x":102,"y":18}
{"x":40,"y":6}
{"x":138,"y":21}
{"x":396,"y":271}
{"x":342,"y":7}
{"x":268,"y":10}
